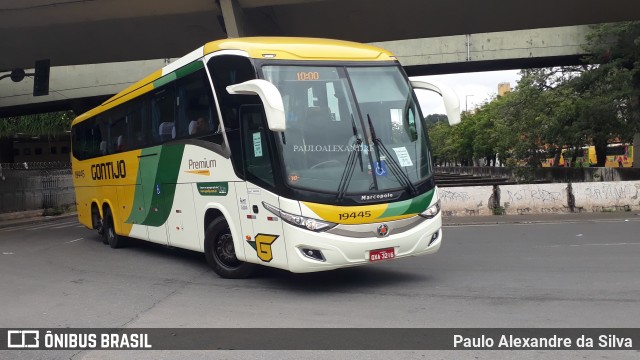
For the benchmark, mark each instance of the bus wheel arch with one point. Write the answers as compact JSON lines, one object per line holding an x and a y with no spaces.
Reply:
{"x":220,"y":251}
{"x":96,"y":218}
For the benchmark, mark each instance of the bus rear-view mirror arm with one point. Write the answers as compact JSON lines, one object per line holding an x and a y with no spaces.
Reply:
{"x":451,"y":101}
{"x":270,"y":96}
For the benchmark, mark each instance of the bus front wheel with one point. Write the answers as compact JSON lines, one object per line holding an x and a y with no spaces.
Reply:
{"x":220,"y":252}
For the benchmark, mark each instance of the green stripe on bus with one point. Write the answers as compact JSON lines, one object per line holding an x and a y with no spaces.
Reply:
{"x":162,"y":184}
{"x":412,"y":206}
{"x":420,"y":203}
{"x":179,"y":73}
{"x":189,"y":69}
{"x":147,"y":168}
{"x":165,"y":80}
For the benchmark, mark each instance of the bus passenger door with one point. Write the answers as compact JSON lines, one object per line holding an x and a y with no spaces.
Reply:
{"x":181,"y":224}
{"x":261,"y":230}
{"x":266,"y":245}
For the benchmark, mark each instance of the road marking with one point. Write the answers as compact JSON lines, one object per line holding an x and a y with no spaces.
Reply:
{"x":578,"y":245}
{"x":64,"y":226}
{"x":47,"y":226}
{"x":33,"y":226}
{"x":7,"y":253}
{"x":69,"y":242}
{"x":21,"y":227}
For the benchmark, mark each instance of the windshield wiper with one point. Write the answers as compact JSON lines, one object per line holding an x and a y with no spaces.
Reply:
{"x":393,"y":164}
{"x":358,"y":141}
{"x":351,"y":162}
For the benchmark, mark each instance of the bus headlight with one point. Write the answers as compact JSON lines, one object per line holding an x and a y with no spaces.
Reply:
{"x":300,"y":221}
{"x":432,"y":211}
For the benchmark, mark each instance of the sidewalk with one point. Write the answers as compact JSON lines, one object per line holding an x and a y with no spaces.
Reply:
{"x":541,"y":218}
{"x":33,"y":217}
{"x":30,"y":217}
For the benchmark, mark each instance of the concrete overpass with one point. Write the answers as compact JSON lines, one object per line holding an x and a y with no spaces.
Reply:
{"x":81,"y":86}
{"x":124,"y":39}
{"x":72,"y":32}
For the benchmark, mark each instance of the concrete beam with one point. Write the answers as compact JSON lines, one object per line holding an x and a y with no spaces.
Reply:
{"x":478,"y":49}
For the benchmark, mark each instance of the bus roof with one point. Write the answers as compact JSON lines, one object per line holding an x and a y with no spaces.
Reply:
{"x":277,"y":48}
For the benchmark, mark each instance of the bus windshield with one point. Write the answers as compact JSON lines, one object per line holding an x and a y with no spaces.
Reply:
{"x":332,"y":114}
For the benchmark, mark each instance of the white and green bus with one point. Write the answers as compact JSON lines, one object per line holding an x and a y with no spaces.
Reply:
{"x":300,"y":154}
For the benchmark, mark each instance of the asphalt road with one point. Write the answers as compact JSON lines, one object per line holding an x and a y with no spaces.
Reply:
{"x":582,"y":273}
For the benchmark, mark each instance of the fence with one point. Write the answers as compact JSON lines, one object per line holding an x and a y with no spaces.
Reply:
{"x":557,"y":174}
{"x":35,"y":186}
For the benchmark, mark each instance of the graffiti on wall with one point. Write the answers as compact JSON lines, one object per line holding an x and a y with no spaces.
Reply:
{"x":615,"y":192}
{"x":535,"y":194}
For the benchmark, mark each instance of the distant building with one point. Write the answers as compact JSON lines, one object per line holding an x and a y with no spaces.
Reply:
{"x":504,"y":88}
{"x":20,"y":148}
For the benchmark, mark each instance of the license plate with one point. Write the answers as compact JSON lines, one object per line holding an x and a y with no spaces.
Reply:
{"x":382,"y":254}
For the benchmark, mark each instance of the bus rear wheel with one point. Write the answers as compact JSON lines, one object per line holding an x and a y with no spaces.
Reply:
{"x":220,"y":252}
{"x":112,"y":238}
{"x":98,"y":223}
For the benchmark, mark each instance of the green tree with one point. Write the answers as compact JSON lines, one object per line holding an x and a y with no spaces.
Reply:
{"x":436,"y":118}
{"x":46,"y":124}
{"x":611,"y":90}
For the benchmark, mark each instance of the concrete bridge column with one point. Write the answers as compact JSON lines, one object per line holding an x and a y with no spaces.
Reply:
{"x":234,"y":19}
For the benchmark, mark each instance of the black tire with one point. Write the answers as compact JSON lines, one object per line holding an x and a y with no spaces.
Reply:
{"x":220,"y":252}
{"x":98,"y":223}
{"x":114,"y":240}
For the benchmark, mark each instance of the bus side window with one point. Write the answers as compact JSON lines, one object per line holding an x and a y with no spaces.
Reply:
{"x":197,"y":115}
{"x":138,"y":127}
{"x":82,"y":139}
{"x":163,"y":112}
{"x":118,"y":134}
{"x":98,"y":145}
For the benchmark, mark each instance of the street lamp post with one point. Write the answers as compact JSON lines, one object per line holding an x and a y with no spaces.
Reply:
{"x":466,"y":103}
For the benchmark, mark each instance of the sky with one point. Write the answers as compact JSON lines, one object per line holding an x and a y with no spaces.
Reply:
{"x":472,"y":89}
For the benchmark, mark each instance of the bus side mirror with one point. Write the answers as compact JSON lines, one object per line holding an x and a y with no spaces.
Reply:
{"x":270,"y":96}
{"x":451,"y":101}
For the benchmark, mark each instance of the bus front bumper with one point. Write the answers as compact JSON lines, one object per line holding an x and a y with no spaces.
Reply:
{"x":351,"y":245}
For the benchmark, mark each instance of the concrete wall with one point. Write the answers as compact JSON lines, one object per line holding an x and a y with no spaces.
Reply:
{"x":472,"y":200}
{"x":534,"y":199}
{"x":542,"y":199}
{"x":24,"y":190}
{"x":607,"y":196}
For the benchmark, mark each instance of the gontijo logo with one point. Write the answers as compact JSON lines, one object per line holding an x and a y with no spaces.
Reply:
{"x":108,"y":170}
